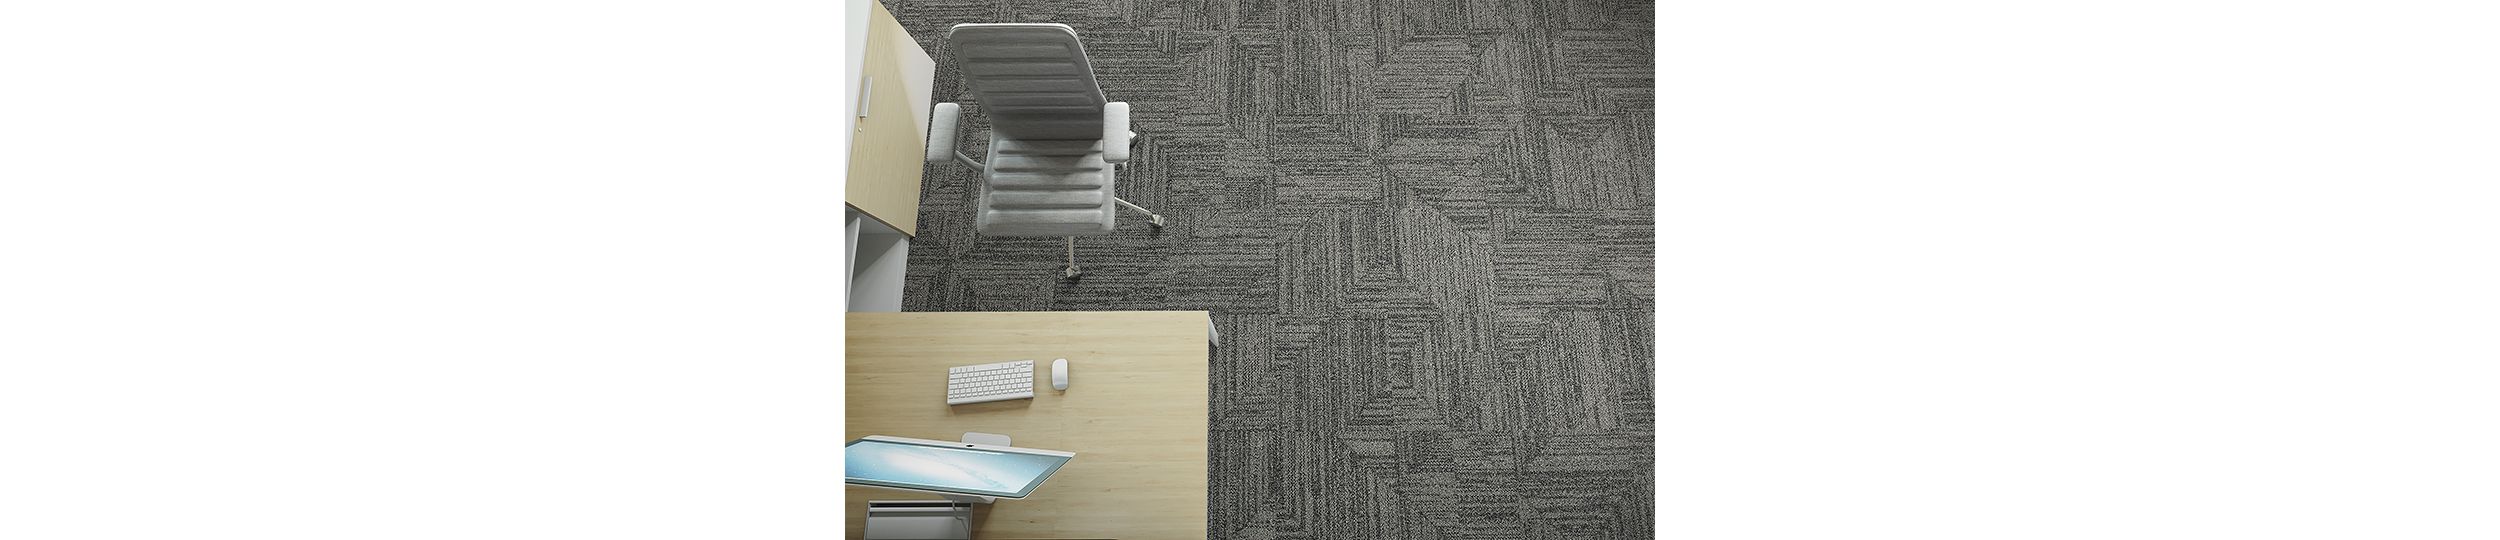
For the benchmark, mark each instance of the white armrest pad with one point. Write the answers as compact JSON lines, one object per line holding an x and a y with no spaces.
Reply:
{"x":942,"y":132}
{"x":1115,"y":131}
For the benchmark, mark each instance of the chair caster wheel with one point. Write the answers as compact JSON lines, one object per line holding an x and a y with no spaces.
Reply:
{"x":1157,"y":222}
{"x":1072,"y":272}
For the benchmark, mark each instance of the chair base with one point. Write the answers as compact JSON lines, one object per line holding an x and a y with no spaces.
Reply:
{"x":1072,"y":271}
{"x":1151,"y":218}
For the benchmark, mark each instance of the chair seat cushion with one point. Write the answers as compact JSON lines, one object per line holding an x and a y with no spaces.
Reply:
{"x":1046,"y":188}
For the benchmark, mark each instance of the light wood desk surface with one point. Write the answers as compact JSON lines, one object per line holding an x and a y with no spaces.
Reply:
{"x":1135,"y":413}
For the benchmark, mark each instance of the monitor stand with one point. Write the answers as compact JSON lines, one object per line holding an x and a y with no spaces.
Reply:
{"x":950,"y":519}
{"x":984,"y":439}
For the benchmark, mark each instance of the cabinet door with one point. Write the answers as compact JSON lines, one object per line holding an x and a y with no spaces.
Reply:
{"x":887,"y":141}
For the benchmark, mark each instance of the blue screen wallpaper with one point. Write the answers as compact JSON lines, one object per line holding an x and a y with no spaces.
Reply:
{"x":946,"y":468}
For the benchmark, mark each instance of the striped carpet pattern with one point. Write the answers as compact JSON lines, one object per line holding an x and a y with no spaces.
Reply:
{"x":1424,"y":228}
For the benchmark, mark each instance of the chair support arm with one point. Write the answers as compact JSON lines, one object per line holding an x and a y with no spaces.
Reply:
{"x":942,"y":136}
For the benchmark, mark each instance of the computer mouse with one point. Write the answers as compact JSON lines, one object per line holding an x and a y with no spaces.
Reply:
{"x":1059,"y":374}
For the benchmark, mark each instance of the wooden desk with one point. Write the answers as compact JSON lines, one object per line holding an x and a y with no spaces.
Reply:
{"x":1135,"y":413}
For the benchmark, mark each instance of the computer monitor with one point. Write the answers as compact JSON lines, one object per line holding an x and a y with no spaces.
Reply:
{"x":952,"y":468}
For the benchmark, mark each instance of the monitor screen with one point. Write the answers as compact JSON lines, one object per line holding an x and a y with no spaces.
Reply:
{"x":947,"y":467}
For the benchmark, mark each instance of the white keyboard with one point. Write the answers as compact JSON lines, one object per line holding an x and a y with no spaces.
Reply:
{"x":989,"y":382}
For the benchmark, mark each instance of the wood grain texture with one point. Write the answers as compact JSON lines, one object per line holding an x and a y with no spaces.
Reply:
{"x":886,"y":146}
{"x":1135,"y":413}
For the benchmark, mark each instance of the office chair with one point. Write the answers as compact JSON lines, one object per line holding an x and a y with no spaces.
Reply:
{"x":1054,"y":141}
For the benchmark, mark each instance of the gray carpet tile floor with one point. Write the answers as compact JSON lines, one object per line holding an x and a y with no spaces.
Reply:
{"x":1424,"y":228}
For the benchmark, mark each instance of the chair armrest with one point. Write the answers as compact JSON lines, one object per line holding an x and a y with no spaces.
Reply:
{"x":1115,"y":131}
{"x":942,"y":132}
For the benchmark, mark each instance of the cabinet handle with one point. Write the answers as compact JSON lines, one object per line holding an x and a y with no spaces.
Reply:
{"x":866,"y":84}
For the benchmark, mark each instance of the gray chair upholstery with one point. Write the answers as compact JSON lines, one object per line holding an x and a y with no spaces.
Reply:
{"x":1054,"y":140}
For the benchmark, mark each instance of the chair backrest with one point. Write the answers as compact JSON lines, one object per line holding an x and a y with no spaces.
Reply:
{"x":1032,"y":80}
